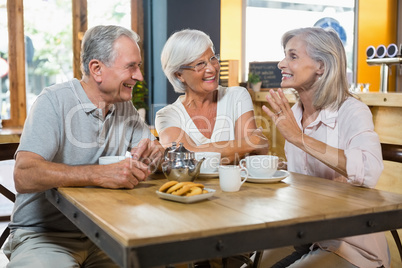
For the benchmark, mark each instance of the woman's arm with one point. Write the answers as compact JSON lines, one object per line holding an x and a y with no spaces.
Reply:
{"x":287,"y":125}
{"x":360,"y":161}
{"x":248,"y":140}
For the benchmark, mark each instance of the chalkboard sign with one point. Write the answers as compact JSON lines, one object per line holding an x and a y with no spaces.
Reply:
{"x":268,"y":71}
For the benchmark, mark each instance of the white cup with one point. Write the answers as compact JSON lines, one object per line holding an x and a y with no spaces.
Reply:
{"x":211,"y":162}
{"x":105,"y":160}
{"x":230,"y":179}
{"x":260,"y":166}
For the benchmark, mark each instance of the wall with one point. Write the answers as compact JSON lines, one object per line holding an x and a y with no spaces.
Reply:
{"x":232,"y":32}
{"x":162,"y":18}
{"x":377,"y":24}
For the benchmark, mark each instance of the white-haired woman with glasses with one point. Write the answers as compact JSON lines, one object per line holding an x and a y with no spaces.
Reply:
{"x":329,"y":134}
{"x":207,"y":117}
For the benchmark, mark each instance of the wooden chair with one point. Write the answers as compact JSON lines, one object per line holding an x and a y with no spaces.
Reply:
{"x":7,"y":151}
{"x":393,"y":152}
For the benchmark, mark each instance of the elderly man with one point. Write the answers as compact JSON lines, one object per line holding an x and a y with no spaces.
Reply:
{"x":69,"y":127}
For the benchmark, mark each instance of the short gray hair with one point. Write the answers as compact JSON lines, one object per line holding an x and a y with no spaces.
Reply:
{"x":326,"y":47}
{"x":182,"y":48}
{"x":98,"y":43}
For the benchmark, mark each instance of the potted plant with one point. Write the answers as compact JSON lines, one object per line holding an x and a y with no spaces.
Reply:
{"x":254,"y":81}
{"x":140,"y":98}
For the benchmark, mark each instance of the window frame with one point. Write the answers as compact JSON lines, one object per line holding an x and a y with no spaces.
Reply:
{"x":16,"y":48}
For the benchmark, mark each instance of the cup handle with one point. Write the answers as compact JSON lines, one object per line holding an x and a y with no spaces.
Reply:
{"x":245,"y":178}
{"x":241,"y":163}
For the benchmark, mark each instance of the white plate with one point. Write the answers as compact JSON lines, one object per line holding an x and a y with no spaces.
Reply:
{"x":187,"y":199}
{"x":208,"y":174}
{"x":278,"y":176}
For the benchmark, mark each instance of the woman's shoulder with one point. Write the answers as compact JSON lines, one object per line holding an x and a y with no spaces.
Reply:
{"x":352,"y":104}
{"x":355,"y":111}
{"x":169,"y":109}
{"x":232,"y":91}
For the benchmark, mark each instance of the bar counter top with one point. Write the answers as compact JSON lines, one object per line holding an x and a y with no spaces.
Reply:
{"x":391,"y":99}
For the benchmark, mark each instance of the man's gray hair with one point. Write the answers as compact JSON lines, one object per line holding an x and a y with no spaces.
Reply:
{"x":98,"y":43}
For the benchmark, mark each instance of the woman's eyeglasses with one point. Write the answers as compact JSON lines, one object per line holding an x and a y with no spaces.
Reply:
{"x":214,"y":60}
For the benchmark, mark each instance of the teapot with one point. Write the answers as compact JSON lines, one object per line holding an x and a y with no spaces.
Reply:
{"x":180,"y":164}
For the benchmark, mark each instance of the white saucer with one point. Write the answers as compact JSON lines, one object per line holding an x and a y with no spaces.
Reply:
{"x":208,"y":174}
{"x":278,"y":176}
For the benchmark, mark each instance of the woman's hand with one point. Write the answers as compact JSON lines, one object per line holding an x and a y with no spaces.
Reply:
{"x":258,"y":141}
{"x":282,"y":116}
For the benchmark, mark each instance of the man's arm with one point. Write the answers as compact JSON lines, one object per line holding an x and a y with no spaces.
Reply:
{"x":32,"y":173}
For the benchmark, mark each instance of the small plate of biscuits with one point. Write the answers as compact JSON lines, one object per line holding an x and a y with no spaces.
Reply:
{"x":184,"y":192}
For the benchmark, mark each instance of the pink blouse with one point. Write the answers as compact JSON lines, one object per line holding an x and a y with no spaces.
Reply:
{"x":350,"y":129}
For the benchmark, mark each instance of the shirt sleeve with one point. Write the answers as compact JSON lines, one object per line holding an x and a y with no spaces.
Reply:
{"x":243,"y":100}
{"x":170,"y":116}
{"x":140,"y":130}
{"x":41,"y":133}
{"x":363,"y":149}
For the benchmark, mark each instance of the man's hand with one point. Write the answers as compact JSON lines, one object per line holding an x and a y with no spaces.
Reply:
{"x":148,"y":152}
{"x":124,"y":174}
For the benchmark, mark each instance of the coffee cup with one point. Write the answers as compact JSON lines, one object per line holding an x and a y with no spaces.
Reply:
{"x":260,"y":166}
{"x":110,"y":159}
{"x":211,"y":162}
{"x":230,"y":178}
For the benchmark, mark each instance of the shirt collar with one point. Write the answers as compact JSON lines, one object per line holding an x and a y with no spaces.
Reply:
{"x":326,"y":116}
{"x":85,"y":102}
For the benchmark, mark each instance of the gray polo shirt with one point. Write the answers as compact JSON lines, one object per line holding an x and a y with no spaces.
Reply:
{"x":64,"y":126}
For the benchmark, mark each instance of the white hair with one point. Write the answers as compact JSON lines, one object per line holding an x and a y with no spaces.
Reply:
{"x":182,"y":48}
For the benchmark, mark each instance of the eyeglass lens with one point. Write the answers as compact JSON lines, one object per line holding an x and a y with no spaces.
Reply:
{"x":213,"y":60}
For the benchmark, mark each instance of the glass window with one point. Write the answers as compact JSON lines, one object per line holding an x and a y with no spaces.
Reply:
{"x":109,"y":12}
{"x":4,"y":83}
{"x":267,"y":20}
{"x":48,"y":44}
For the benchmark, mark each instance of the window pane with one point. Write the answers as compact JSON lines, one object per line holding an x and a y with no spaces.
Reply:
{"x":4,"y":83}
{"x":109,"y":12}
{"x":48,"y":44}
{"x":267,"y":20}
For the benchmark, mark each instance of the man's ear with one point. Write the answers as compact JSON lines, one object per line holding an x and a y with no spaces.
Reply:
{"x":95,"y":68}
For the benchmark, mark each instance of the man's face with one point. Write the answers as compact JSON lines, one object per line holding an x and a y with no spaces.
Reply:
{"x":118,"y":79}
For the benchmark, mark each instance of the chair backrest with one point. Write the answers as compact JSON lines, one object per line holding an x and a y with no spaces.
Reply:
{"x":7,"y":150}
{"x":393,"y":152}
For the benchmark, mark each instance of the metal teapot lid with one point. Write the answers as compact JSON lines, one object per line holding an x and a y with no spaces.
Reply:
{"x":180,"y":153}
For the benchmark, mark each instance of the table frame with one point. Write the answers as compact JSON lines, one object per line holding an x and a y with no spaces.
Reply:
{"x":226,"y":244}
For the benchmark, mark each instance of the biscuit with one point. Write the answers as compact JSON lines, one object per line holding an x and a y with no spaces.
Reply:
{"x":167,"y":185}
{"x":175,"y":187}
{"x":200,"y":185}
{"x":182,"y":191}
{"x":194,"y":191}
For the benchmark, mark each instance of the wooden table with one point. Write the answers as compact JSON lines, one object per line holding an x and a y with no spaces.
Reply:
{"x":138,"y":229}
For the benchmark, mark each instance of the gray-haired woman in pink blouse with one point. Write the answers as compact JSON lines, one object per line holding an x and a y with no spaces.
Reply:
{"x":329,"y":134}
